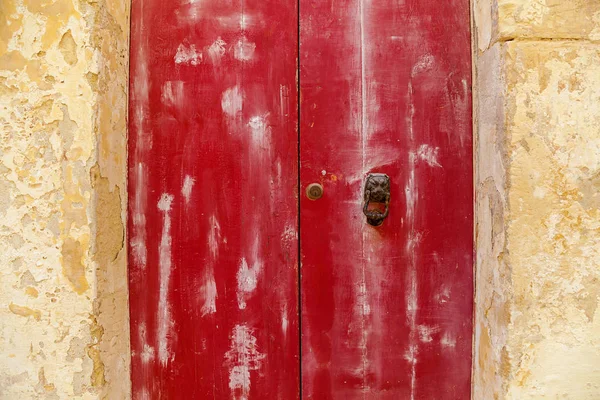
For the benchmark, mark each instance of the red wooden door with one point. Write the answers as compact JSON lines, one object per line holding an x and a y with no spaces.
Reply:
{"x":385,"y":88}
{"x":215,"y":220}
{"x":213,"y":207}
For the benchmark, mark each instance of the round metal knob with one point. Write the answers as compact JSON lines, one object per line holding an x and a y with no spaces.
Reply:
{"x":314,"y":191}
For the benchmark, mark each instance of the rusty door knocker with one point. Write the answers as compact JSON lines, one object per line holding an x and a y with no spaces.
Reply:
{"x":377,"y":190}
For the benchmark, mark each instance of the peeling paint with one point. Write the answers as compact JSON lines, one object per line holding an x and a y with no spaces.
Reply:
{"x":429,"y":155}
{"x":165,"y":265}
{"x":188,"y":54}
{"x":244,"y":49}
{"x":172,"y":94}
{"x":209,"y":291}
{"x":424,"y":64}
{"x":186,"y":188}
{"x":24,"y":311}
{"x":247,"y":279}
{"x":216,"y":51}
{"x":242,"y":358}
{"x":231,"y":101}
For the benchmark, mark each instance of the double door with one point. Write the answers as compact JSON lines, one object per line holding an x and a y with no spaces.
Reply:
{"x":300,"y":199}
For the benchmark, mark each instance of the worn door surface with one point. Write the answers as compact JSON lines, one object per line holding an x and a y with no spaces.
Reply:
{"x":385,"y":88}
{"x":219,"y":220}
{"x":213,"y":207}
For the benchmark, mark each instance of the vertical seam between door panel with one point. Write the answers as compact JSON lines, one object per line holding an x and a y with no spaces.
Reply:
{"x":299,"y":261}
{"x":363,"y":93}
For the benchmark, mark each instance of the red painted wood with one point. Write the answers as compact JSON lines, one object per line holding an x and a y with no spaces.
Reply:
{"x":387,"y":311}
{"x":213,"y":199}
{"x":385,"y":87}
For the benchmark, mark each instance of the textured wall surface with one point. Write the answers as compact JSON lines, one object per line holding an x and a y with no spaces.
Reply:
{"x":538,"y":205}
{"x":63,"y":298}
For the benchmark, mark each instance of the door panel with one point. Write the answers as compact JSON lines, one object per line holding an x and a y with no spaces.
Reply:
{"x":213,"y":199}
{"x":385,"y":88}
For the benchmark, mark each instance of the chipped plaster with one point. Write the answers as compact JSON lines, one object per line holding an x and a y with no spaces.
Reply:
{"x":537,"y":329}
{"x":63,"y":298}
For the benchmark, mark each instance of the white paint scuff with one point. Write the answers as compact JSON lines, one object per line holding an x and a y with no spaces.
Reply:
{"x":188,"y":55}
{"x":247,"y":280}
{"x":411,"y":112}
{"x":426,"y":332}
{"x":237,"y":21}
{"x":214,"y":236}
{"x":171,"y":93}
{"x":284,"y":320}
{"x":410,"y":190}
{"x":362,"y":300}
{"x":216,"y":51}
{"x":411,"y":300}
{"x":165,"y":264}
{"x":242,"y":358}
{"x":289,"y":237}
{"x":186,"y":188}
{"x":284,"y":101}
{"x":191,"y":11}
{"x":143,"y":395}
{"x":140,"y":95}
{"x":448,"y":341}
{"x":444,"y":295}
{"x":209,"y":291}
{"x":147,"y":354}
{"x":260,"y":131}
{"x":138,"y":240}
{"x":429,"y":154}
{"x":244,"y":49}
{"x":209,"y":288}
{"x":231,"y":101}
{"x":414,"y":239}
{"x":424,"y":63}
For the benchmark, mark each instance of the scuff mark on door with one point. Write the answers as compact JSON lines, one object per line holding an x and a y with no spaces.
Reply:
{"x":165,"y":265}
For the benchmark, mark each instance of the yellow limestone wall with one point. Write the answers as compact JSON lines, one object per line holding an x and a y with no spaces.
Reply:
{"x":63,"y":284}
{"x":537,"y":116}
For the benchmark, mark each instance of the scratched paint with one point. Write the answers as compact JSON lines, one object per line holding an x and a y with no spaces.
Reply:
{"x":209,"y":287}
{"x":242,"y":358}
{"x":140,"y":97}
{"x":148,"y":352}
{"x":216,"y":51}
{"x":186,"y":188}
{"x":244,"y":49}
{"x":188,"y":54}
{"x":165,"y":265}
{"x":247,"y":280}
{"x":210,"y":294}
{"x":375,"y":83}
{"x":214,"y":113}
{"x":172,"y":94}
{"x":429,"y":155}
{"x":231,"y":101}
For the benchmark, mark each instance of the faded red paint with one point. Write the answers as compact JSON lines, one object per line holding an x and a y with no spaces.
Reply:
{"x":213,"y":116}
{"x":213,"y":227}
{"x":387,"y":311}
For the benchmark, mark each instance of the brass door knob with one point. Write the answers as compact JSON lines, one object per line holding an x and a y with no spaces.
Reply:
{"x":314,"y":191}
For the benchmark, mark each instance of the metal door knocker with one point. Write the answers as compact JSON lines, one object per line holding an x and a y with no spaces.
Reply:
{"x":377,"y":190}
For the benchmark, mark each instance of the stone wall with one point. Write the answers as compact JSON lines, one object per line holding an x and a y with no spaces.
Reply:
{"x":63,"y":285}
{"x":537,"y":116}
